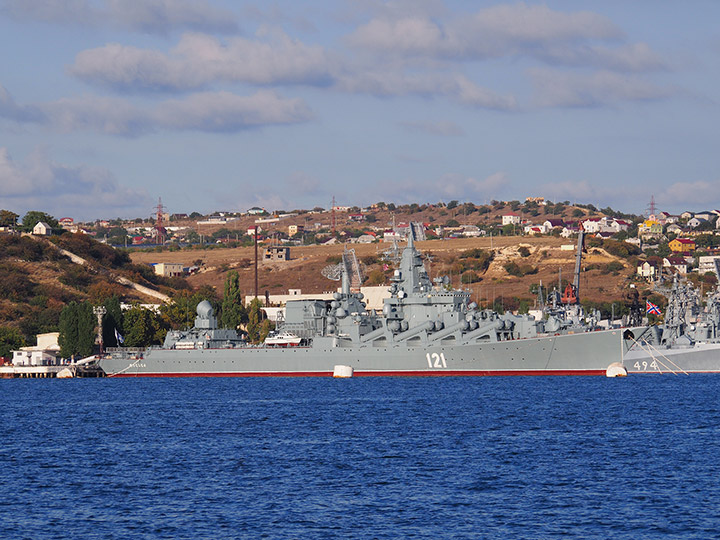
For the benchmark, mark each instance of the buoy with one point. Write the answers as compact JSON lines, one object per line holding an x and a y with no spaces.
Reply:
{"x":342,"y":372}
{"x":616,"y":369}
{"x":65,"y":373}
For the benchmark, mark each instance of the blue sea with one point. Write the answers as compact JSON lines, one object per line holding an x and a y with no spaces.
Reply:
{"x":385,"y":458}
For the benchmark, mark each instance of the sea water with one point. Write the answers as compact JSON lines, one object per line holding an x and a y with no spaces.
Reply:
{"x":495,"y":457}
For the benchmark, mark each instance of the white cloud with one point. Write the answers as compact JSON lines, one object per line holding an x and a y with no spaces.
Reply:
{"x":395,"y":83}
{"x":206,"y":111}
{"x":519,"y":30}
{"x":148,"y":16}
{"x":41,"y":184}
{"x":112,"y":116}
{"x":226,"y":112}
{"x":161,"y":16}
{"x":442,"y":128}
{"x":636,"y":57}
{"x":560,"y":89}
{"x":11,"y":110}
{"x":200,"y":60}
{"x":698,"y":193}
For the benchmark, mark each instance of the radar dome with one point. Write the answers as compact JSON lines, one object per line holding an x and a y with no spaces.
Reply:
{"x":205,"y":309}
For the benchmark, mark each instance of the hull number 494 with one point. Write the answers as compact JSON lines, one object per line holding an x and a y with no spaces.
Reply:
{"x":436,"y":360}
{"x":644,"y":365}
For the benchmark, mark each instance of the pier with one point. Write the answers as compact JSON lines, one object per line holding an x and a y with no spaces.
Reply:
{"x":49,"y":372}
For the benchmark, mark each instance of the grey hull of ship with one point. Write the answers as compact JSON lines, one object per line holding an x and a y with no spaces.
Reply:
{"x":700,"y":358}
{"x":587,"y":353}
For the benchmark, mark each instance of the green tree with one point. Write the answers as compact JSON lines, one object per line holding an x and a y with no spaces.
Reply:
{"x":142,"y":327}
{"x":233,"y":312}
{"x":77,"y":330}
{"x":265,"y":328}
{"x":182,"y":310}
{"x":10,"y":340}
{"x":112,"y":320}
{"x":32,"y":218}
{"x":255,"y":316}
{"x":8,"y":218}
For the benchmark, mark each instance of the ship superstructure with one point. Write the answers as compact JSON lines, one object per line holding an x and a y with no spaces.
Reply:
{"x":687,"y":341}
{"x":425,"y":328}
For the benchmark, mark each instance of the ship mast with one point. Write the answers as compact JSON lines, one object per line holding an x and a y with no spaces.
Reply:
{"x":572,"y":292}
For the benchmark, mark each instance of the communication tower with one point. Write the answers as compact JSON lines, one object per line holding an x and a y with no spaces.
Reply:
{"x":159,"y":231}
{"x":652,"y":209}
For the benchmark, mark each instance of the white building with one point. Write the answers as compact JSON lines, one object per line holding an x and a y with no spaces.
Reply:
{"x":708,"y":263}
{"x":510,"y":219}
{"x":679,"y":263}
{"x":374,"y":297}
{"x":45,"y":353}
{"x":604,"y":225}
{"x":169,"y":269}
{"x":646,"y":270}
{"x":696,"y":222}
{"x":42,"y":229}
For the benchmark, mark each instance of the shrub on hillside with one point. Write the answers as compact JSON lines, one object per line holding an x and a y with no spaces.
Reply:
{"x":470,"y":277}
{"x":520,"y":270}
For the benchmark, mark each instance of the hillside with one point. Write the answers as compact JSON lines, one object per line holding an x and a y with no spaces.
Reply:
{"x":384,"y":215}
{"x":38,"y":280}
{"x":605,"y":277}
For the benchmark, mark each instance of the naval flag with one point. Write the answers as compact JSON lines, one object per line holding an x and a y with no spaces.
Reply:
{"x":651,"y":308}
{"x":118,"y":337}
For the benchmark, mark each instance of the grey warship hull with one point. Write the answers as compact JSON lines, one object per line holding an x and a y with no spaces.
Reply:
{"x":696,"y":358}
{"x":589,"y":353}
{"x":688,"y":340}
{"x":423,"y":330}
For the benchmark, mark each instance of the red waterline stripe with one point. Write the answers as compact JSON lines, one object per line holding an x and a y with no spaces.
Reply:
{"x":425,"y":373}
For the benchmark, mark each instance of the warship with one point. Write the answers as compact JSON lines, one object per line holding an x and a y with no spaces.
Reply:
{"x":688,"y":340}
{"x":425,"y":328}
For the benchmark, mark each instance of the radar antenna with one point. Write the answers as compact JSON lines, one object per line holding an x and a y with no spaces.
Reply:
{"x":350,"y":266}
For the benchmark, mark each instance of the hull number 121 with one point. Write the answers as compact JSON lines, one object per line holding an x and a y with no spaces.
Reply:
{"x":436,"y":360}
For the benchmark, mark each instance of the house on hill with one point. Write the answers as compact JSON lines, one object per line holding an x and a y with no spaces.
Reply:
{"x":42,"y":229}
{"x":681,"y":245}
{"x":277,"y":253}
{"x":169,"y":269}
{"x":510,"y":219}
{"x":696,"y":221}
{"x":550,"y":224}
{"x":647,"y":271}
{"x":679,"y":263}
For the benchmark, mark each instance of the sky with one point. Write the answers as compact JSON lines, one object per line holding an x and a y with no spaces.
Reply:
{"x":109,"y":106}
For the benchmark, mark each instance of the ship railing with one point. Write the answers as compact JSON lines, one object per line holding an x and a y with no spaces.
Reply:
{"x":131,"y":350}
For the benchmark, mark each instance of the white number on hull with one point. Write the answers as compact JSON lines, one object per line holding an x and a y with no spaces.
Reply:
{"x":642,"y":366}
{"x":436,"y":360}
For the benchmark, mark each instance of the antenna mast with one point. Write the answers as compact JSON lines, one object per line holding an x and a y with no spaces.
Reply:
{"x":159,"y":228}
{"x":332,"y":215}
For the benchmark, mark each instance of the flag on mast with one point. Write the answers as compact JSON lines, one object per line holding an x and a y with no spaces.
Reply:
{"x":651,"y":308}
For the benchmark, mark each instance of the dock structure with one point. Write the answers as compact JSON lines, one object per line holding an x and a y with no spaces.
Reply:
{"x":49,"y":372}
